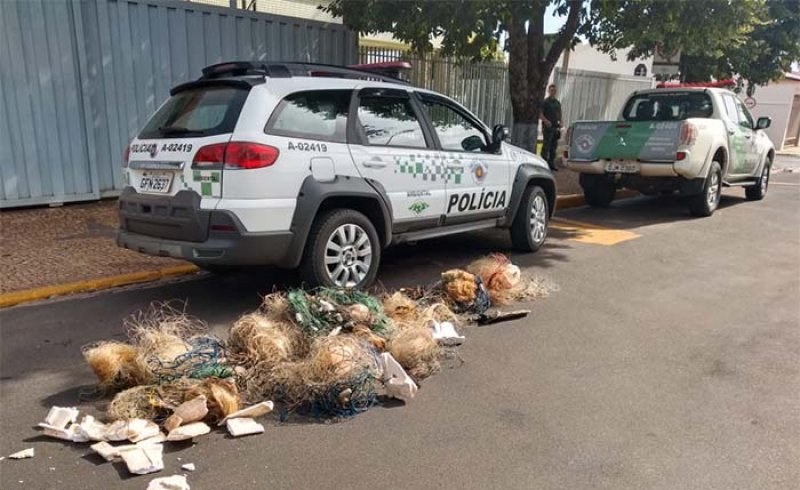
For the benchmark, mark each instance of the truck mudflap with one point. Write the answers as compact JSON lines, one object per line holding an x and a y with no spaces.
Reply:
{"x":648,"y":141}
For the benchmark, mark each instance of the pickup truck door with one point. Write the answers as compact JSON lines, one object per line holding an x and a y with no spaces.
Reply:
{"x":740,"y":136}
{"x":748,"y":126}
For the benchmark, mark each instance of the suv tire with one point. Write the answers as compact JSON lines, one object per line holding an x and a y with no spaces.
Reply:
{"x":758,"y":191}
{"x":343,"y":251}
{"x":706,"y":203}
{"x":598,"y":190}
{"x":529,"y":229}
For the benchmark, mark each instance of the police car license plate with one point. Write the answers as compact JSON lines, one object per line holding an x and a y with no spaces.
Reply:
{"x":155,"y":182}
{"x":622,"y":167}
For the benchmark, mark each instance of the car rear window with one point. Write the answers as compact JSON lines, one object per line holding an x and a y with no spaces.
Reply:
{"x":668,"y":106}
{"x":198,"y":112}
{"x":315,"y":114}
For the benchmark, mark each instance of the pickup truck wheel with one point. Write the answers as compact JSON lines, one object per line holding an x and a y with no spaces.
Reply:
{"x":598,"y":190}
{"x":529,"y":230}
{"x":705,"y":204}
{"x":343,"y":251}
{"x":758,"y":191}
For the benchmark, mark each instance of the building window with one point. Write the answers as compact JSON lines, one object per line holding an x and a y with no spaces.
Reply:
{"x":640,"y":70}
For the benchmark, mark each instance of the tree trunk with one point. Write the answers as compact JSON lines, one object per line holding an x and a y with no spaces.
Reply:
{"x":523,"y":133}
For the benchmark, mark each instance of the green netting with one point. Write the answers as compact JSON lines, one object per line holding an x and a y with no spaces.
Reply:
{"x":320,"y":311}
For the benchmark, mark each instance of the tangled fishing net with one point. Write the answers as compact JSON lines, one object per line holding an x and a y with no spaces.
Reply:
{"x":465,"y":291}
{"x":316,"y":352}
{"x":164,"y":345}
{"x":417,"y":351}
{"x":117,"y":366}
{"x":156,"y":402}
{"x":255,"y":338}
{"x":325,"y":309}
{"x":505,"y":282}
{"x":338,"y":378}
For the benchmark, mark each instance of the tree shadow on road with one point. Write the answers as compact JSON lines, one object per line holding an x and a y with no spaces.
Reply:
{"x":627,"y":214}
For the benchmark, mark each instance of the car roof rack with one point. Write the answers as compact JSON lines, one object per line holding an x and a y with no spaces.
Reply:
{"x":280,"y":69}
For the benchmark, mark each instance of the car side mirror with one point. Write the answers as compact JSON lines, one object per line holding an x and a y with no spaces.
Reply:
{"x":500,"y":133}
{"x":763,"y":122}
{"x":472,"y":143}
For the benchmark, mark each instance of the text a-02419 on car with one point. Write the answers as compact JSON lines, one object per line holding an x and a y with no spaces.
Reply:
{"x":693,"y":140}
{"x":320,"y":168}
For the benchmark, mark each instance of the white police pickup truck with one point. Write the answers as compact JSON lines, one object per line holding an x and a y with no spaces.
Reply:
{"x":691,"y":140}
{"x":320,"y":167}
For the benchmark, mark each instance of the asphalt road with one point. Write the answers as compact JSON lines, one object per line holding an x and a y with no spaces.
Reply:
{"x":669,"y":360}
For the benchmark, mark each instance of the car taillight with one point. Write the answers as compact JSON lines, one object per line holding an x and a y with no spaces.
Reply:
{"x":125,"y":155}
{"x":236,"y":155}
{"x":688,"y":134}
{"x":210,"y":155}
{"x":247,"y":156}
{"x":681,"y":155}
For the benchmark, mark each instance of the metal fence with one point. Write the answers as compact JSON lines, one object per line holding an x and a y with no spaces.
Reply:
{"x":480,"y":87}
{"x":483,"y":87}
{"x":79,"y":78}
{"x":590,"y":95}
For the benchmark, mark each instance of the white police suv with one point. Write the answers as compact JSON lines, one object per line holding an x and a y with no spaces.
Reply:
{"x":320,"y":167}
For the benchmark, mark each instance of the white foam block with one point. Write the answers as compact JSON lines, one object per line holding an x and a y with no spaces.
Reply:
{"x":175,"y":482}
{"x":69,"y":434}
{"x":140,"y":429}
{"x":24,"y":454}
{"x":243,"y":427}
{"x":188,"y":431}
{"x":396,"y":381}
{"x":142,"y":460}
{"x":91,"y":429}
{"x":60,"y":417}
{"x":252,"y":412}
{"x":445,"y":333}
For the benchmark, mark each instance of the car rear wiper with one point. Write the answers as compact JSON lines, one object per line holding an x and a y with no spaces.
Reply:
{"x":178,"y":130}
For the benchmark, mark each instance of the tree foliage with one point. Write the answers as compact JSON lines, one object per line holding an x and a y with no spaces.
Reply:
{"x":755,"y":39}
{"x":474,"y":29}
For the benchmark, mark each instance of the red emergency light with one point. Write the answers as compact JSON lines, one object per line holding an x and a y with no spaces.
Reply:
{"x":716,"y":84}
{"x":394,"y":69}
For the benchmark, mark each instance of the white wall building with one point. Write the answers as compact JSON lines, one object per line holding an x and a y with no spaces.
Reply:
{"x":585,"y":57}
{"x":781,"y":101}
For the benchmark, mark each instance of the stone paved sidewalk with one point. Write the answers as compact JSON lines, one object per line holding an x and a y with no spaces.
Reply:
{"x":51,"y":246}
{"x":48,"y":246}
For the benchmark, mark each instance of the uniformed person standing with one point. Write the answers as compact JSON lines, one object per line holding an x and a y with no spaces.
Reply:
{"x":551,"y":126}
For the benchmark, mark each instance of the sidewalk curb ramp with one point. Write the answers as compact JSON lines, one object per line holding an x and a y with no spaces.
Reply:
{"x":36,"y":294}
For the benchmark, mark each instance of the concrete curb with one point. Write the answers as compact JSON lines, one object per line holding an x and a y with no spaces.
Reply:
{"x":27,"y":295}
{"x":36,"y":294}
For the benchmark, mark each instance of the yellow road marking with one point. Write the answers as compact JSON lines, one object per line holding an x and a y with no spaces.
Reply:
{"x":589,"y":233}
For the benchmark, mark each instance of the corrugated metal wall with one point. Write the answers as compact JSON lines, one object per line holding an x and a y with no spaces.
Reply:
{"x":590,"y":95}
{"x":79,"y":78}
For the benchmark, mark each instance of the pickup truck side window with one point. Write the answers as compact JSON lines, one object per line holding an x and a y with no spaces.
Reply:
{"x":730,"y":108}
{"x":745,"y":119}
